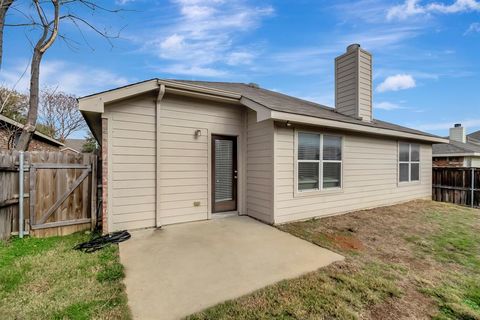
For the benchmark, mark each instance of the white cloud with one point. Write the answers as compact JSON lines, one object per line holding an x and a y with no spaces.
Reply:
{"x":182,"y":69}
{"x":123,"y":2}
{"x":71,"y":78}
{"x":205,"y":35}
{"x":473,"y":28}
{"x":173,"y":43}
{"x":240,"y":57}
{"x":396,"y":82}
{"x":455,"y":7}
{"x":405,"y":10}
{"x":413,"y":7}
{"x":388,"y":106}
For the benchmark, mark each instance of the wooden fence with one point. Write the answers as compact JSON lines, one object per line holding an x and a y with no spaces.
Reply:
{"x":457,"y":185}
{"x":59,"y":193}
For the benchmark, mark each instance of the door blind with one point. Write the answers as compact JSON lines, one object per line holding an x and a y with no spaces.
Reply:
{"x":223,"y":170}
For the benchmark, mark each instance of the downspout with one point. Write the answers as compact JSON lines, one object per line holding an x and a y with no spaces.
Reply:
{"x":161,"y":93}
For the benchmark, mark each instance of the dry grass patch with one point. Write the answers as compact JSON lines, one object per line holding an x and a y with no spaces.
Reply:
{"x":47,"y":279}
{"x":417,"y":260}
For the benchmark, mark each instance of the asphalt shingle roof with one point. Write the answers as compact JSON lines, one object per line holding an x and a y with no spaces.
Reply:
{"x":75,"y":144}
{"x":455,"y":147}
{"x":475,"y":136}
{"x":281,"y":102}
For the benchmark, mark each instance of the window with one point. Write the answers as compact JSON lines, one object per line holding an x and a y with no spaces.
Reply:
{"x":409,"y":162}
{"x":319,"y":161}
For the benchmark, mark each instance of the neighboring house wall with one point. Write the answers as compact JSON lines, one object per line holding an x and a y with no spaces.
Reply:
{"x":35,"y":144}
{"x":448,"y":161}
{"x":260,"y":166}
{"x":370,"y":177}
{"x":456,"y":162}
{"x":4,"y":136}
{"x":472,"y":162}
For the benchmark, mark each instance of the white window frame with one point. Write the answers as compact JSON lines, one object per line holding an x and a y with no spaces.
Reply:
{"x":320,"y":163}
{"x":409,"y":162}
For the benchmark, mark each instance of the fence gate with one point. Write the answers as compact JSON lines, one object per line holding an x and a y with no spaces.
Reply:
{"x":59,"y":192}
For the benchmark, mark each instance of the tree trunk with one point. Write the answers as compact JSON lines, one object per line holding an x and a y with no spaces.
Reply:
{"x":32,"y":115}
{"x":42,"y":46}
{"x":5,"y":4}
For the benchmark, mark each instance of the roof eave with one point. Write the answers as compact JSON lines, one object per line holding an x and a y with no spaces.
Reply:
{"x":283,"y":116}
{"x":96,"y":103}
{"x":36,"y":133}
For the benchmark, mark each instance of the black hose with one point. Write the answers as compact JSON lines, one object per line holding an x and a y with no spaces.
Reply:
{"x":103,"y":241}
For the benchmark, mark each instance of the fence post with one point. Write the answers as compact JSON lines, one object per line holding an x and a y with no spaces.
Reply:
{"x":21,"y":223}
{"x":473,"y":186}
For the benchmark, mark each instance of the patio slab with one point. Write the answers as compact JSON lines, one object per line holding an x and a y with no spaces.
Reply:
{"x":182,"y":269}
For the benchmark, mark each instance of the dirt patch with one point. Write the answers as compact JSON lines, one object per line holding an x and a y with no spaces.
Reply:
{"x":416,"y":260}
{"x":346,"y":242}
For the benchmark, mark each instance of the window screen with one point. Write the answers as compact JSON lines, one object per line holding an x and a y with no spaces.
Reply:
{"x":409,"y":162}
{"x":319,"y":161}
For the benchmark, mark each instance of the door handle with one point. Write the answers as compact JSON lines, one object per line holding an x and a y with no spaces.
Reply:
{"x":235,"y":171}
{"x":234,"y":177}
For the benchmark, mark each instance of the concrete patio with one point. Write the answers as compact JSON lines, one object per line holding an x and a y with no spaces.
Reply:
{"x":181,"y":269}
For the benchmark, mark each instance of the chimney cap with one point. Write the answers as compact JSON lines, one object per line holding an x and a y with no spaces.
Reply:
{"x":457,"y":125}
{"x":353,"y":46}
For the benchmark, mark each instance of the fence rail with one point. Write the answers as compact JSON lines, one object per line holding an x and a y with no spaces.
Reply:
{"x":456,"y":185}
{"x":59,"y":193}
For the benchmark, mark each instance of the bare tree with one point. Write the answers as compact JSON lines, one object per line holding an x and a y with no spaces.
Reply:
{"x":49,"y":27}
{"x":4,"y":6}
{"x":59,"y":113}
{"x":13,"y":104}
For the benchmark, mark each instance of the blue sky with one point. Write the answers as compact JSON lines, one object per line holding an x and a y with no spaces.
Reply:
{"x":426,"y":53}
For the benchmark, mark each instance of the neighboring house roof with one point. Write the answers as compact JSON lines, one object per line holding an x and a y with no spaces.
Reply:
{"x":455,"y":148}
{"x":36,"y":134}
{"x":75,"y":144}
{"x":271,"y":105}
{"x":474,"y":137}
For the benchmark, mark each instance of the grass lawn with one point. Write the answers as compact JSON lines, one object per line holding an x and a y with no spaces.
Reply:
{"x":418,"y":260}
{"x":46,"y":279}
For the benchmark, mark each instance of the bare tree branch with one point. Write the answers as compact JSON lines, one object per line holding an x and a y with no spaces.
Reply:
{"x":49,"y":31}
{"x":59,"y":112}
{"x":42,"y":45}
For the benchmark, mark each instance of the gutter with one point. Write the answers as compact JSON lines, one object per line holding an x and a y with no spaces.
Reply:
{"x":282,"y":116}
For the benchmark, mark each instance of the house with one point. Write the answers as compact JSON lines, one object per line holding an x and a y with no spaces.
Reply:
{"x":177,"y":151}
{"x":462,"y":150}
{"x":73,"y":145}
{"x":10,"y":131}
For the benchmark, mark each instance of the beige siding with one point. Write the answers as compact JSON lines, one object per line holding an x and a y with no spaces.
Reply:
{"x":260,"y":164}
{"x":353,"y":84}
{"x":365,"y":86}
{"x":184,"y":160}
{"x":369,"y":178}
{"x":132,"y":163}
{"x":346,"y":71}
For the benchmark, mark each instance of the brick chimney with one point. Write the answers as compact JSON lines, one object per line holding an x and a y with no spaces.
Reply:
{"x":353,"y":83}
{"x":457,"y":133}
